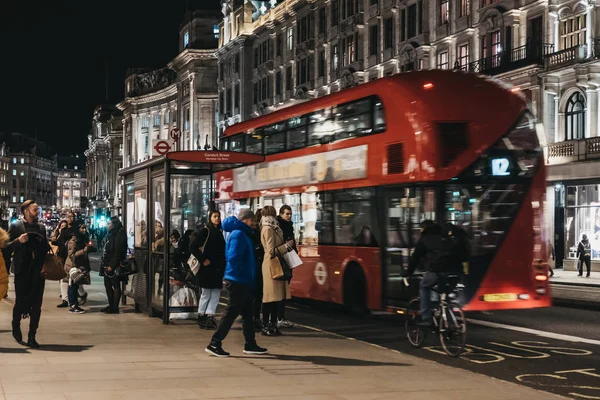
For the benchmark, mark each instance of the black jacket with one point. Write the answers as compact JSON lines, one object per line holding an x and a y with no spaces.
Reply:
{"x":440,"y":251}
{"x":210,"y":276}
{"x":287,"y":227}
{"x":115,"y":249}
{"x":37,"y":244}
{"x":584,"y":250}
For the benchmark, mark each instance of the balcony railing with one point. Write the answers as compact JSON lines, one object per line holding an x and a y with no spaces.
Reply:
{"x":574,"y":150}
{"x":529,"y":54}
{"x":568,"y":56}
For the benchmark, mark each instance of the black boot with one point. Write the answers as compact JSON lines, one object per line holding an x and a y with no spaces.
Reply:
{"x":201,"y":321}
{"x":16,"y":332}
{"x":31,"y":342}
{"x":211,"y":323}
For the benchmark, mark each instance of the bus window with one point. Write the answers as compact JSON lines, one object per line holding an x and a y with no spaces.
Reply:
{"x":379,"y":117}
{"x":355,"y":219}
{"x":320,"y":127}
{"x":254,"y":142}
{"x":318,"y":221}
{"x":296,"y":138}
{"x":225,"y":144}
{"x":236,"y":143}
{"x":275,"y":143}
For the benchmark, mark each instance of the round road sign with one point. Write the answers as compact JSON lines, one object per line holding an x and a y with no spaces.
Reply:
{"x":162,"y":147}
{"x":320,"y":273}
{"x":175,"y":134}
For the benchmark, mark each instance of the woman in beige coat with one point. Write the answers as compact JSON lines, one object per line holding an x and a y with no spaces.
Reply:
{"x":274,"y":291}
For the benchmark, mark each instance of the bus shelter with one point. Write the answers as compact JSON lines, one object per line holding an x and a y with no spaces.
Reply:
{"x":164,"y":198}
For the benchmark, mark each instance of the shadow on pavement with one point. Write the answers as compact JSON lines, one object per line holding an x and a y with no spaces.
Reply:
{"x":15,"y":350}
{"x":64,"y":348}
{"x":332,"y":361}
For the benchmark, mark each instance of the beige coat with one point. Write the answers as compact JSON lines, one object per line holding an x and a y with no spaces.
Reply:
{"x":271,"y":238}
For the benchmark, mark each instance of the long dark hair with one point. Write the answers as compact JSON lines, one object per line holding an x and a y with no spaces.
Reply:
{"x":209,"y":223}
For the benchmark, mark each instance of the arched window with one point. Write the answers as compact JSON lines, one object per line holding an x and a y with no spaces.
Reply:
{"x":575,"y":117}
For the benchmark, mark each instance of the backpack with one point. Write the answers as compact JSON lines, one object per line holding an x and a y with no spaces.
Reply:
{"x":448,"y":257}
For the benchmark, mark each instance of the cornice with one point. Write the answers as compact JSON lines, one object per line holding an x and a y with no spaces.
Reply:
{"x":231,"y":45}
{"x":188,"y":56}
{"x":160,"y":95}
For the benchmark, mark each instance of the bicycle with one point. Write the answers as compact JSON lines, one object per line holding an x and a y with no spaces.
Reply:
{"x":448,"y":319}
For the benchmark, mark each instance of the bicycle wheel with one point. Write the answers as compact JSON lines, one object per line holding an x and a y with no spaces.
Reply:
{"x":415,"y":334}
{"x":453,"y":330}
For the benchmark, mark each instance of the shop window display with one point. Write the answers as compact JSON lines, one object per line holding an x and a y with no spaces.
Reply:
{"x":582,"y":217}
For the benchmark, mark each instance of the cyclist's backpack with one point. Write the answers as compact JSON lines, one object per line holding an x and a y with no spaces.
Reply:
{"x":447,"y":259}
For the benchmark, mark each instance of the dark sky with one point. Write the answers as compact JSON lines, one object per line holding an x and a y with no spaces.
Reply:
{"x":52,"y":60}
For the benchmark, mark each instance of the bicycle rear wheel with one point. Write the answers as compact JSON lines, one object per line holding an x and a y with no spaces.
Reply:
{"x":453,"y":330}
{"x":416,"y":334}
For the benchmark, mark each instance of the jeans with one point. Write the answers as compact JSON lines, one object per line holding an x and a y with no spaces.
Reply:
{"x":73,"y":295}
{"x":587,"y":261}
{"x":429,"y":280}
{"x":240,"y":303}
{"x":209,"y":300}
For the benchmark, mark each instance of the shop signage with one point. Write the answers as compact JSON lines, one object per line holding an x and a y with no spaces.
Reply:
{"x":160,"y":147}
{"x":215,"y":157}
{"x":332,"y":166}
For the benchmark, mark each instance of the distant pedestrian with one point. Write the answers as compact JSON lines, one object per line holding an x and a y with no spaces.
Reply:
{"x":584,"y":253}
{"x":239,"y":281}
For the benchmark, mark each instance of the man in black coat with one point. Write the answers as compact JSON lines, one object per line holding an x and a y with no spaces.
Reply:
{"x":287,"y":227}
{"x":28,"y":241}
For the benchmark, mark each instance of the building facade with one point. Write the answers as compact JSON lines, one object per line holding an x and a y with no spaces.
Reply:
{"x":4,"y":182}
{"x":181,"y":97}
{"x":275,"y":53}
{"x":71,"y":184}
{"x":104,"y":159}
{"x":31,"y":171}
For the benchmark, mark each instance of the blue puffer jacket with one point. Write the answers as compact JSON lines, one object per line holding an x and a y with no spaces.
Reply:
{"x":239,"y":252}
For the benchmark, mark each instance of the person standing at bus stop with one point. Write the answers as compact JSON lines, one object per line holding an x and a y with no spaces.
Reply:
{"x":287,"y":227}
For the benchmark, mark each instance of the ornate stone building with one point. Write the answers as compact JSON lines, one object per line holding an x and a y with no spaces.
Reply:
{"x":4,"y":181}
{"x":104,"y":159}
{"x":181,"y":96}
{"x":70,"y":184}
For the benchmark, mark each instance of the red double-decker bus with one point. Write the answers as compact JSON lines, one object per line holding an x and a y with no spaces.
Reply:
{"x":361,"y":168}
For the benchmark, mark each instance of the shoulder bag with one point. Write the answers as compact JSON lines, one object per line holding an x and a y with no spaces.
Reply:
{"x":193,"y":262}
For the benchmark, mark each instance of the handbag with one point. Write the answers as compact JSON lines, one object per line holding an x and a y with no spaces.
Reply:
{"x":127,"y":267}
{"x":280,"y":271}
{"x":193,"y":262}
{"x":53,"y":269}
{"x":292,"y":258}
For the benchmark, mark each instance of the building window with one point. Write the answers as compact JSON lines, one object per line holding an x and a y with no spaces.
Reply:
{"x":167,"y":115}
{"x":322,"y":21}
{"x":279,"y":44}
{"x":278,"y":83}
{"x":496,"y":49}
{"x":335,"y":13}
{"x":575,"y":117}
{"x":443,"y":60}
{"x":288,"y":78}
{"x":145,"y":122}
{"x":335,"y":52}
{"x":465,"y":7}
{"x":22,"y":161}
{"x":350,"y":55}
{"x":157,"y":120}
{"x":402,"y":25}
{"x":582,"y":214}
{"x":374,"y":40}
{"x":290,"y":39}
{"x":186,"y":39}
{"x":388,"y":35}
{"x":444,"y":12}
{"x":14,"y":198}
{"x":463,"y":57}
{"x":412,"y":21}
{"x":572,"y":31}
{"x":216,"y":31}
{"x":321,"y":63}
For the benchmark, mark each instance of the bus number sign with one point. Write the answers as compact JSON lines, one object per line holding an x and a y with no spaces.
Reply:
{"x":500,"y":166}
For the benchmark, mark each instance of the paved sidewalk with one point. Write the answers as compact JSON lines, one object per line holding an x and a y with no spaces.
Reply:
{"x":130,"y":356}
{"x":566,"y":286}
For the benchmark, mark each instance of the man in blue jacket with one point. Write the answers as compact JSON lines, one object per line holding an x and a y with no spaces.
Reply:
{"x":239,"y":281}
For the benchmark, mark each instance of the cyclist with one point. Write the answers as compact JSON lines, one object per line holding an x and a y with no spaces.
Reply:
{"x":442,"y":250}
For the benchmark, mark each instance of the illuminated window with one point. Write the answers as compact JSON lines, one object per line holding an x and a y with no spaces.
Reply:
{"x":463,"y":57}
{"x":573,"y":31}
{"x":575,"y":117}
{"x":290,"y":37}
{"x":216,"y":31}
{"x":496,"y":49}
{"x":443,"y":60}
{"x":465,"y":7}
{"x":186,"y":39}
{"x":444,"y":12}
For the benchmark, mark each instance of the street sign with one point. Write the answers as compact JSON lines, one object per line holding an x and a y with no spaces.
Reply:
{"x":161,"y":147}
{"x":215,"y":157}
{"x":175,"y":134}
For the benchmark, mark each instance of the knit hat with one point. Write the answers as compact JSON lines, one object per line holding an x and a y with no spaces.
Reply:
{"x":245,"y":213}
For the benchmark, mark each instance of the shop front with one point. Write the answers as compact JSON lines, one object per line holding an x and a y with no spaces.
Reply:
{"x":166,"y":199}
{"x":573,"y":210}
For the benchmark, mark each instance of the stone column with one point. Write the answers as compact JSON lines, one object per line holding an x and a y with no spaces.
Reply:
{"x":591,"y":115}
{"x":193,"y":119}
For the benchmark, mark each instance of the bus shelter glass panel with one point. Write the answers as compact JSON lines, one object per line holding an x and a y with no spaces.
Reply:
{"x":191,"y":197}
{"x":136,"y":284}
{"x":157,"y":220}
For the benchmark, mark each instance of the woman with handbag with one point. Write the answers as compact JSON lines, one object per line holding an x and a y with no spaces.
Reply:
{"x":77,"y":266}
{"x":208,"y":246}
{"x":275,"y":284}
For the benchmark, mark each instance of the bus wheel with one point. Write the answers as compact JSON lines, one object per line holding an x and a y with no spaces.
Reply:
{"x":355,"y":290}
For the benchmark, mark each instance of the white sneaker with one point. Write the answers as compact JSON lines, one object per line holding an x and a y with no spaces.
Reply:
{"x":284,"y":323}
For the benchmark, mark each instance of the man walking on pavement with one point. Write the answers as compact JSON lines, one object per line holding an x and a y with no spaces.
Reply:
{"x":239,"y":281}
{"x":28,"y":241}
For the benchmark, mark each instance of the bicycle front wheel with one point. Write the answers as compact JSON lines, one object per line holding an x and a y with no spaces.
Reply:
{"x":453,"y":330}
{"x":415,"y":334}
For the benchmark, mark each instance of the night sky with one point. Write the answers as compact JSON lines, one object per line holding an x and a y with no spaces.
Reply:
{"x":53,"y":54}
